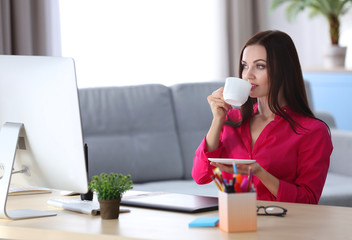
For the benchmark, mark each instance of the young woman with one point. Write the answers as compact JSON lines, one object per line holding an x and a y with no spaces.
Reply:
{"x":275,"y":127}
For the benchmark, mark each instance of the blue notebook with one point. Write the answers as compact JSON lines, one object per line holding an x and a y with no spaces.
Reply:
{"x":204,"y":222}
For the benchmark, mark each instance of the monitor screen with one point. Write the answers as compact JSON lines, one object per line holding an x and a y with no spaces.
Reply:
{"x":39,"y":100}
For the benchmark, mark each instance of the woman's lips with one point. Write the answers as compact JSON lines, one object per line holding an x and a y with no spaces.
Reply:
{"x":254,"y":86}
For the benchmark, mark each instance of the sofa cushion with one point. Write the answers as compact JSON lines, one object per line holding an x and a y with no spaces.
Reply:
{"x":340,"y":161}
{"x":193,"y":117}
{"x":131,"y":130}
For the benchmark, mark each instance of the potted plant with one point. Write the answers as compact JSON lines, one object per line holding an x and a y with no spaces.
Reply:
{"x":332,"y":10}
{"x":109,"y":189}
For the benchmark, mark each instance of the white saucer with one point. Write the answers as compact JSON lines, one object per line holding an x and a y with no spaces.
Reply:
{"x":231,"y":160}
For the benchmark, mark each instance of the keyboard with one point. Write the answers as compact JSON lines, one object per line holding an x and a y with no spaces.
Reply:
{"x":78,"y":205}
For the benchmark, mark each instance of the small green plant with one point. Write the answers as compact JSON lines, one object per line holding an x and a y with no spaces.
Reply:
{"x":110,"y":186}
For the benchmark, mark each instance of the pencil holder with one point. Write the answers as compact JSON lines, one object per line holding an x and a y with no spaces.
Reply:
{"x":237,"y":212}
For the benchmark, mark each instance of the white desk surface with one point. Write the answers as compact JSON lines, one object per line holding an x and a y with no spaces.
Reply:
{"x":301,"y":222}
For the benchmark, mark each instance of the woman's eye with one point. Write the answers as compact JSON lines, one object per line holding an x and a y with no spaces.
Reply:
{"x":261,"y":66}
{"x":244,"y":66}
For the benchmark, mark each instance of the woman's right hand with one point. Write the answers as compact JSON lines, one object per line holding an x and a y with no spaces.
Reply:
{"x":218,"y":106}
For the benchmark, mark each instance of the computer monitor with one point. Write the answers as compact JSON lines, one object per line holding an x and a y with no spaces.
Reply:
{"x":41,"y":141}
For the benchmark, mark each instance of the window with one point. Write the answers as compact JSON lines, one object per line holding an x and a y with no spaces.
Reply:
{"x":127,"y":42}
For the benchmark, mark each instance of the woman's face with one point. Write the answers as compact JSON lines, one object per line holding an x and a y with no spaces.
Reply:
{"x":255,"y":70}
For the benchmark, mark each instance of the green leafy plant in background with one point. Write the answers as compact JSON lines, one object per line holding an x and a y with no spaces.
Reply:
{"x":110,"y":186}
{"x":330,"y":9}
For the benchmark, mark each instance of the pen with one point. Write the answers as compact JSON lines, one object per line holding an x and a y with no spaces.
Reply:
{"x":238,"y":178}
{"x":229,"y":186}
{"x":237,"y":187}
{"x":250,"y":174}
{"x":234,"y":168}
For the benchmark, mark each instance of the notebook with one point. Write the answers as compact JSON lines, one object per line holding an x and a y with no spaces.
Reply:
{"x":172,"y":202}
{"x":204,"y":222}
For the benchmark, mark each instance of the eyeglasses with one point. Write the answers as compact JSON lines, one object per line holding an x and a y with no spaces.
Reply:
{"x":272,"y":211}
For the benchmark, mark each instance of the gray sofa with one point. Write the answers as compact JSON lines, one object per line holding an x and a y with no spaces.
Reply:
{"x":151,"y":131}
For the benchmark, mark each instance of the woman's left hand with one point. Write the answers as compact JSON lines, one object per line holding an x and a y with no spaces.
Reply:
{"x":270,"y":182}
{"x":241,"y":168}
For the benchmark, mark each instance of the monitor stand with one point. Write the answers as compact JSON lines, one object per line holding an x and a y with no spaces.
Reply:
{"x":9,"y":136}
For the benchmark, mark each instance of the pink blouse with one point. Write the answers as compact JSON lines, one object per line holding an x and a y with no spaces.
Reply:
{"x":300,"y":161}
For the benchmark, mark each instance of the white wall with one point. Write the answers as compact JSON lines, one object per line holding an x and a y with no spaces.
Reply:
{"x":311,"y":35}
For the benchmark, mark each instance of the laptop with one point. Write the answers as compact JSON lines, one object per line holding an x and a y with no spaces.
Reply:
{"x":172,"y":202}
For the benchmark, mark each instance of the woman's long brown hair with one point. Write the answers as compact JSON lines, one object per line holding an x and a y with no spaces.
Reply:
{"x":284,"y":72}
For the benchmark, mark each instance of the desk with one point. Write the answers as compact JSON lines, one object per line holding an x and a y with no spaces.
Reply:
{"x":301,"y":222}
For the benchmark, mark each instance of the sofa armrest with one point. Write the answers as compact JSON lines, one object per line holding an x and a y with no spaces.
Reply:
{"x":341,"y":161}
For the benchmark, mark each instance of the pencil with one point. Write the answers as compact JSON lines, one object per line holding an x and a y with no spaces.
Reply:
{"x":217,"y":184}
{"x":218,"y":173}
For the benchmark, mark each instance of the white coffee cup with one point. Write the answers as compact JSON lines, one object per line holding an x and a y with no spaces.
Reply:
{"x":236,"y":91}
